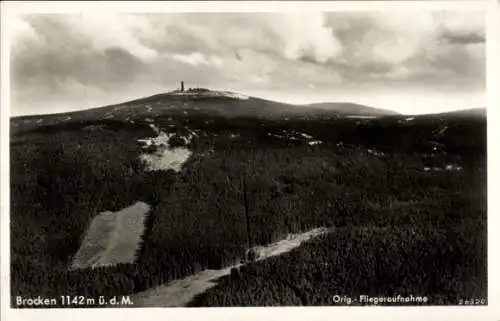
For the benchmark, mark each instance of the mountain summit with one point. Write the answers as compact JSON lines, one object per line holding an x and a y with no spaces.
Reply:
{"x":203,"y":101}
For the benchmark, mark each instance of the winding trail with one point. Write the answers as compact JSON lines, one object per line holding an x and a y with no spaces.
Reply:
{"x":180,"y":292}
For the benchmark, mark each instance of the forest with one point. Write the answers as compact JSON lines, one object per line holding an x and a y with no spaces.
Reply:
{"x":398,"y":228}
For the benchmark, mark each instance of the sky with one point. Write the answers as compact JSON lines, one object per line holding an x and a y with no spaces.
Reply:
{"x":412,"y":62}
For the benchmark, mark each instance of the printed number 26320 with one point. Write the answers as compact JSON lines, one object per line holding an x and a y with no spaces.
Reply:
{"x":474,"y":301}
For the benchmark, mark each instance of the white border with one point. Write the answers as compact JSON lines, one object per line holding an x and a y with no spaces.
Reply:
{"x":4,"y":167}
{"x":491,"y":312}
{"x":20,"y":7}
{"x":493,"y":104}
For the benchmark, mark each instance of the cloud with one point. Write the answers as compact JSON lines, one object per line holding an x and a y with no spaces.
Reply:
{"x":411,"y":49}
{"x":59,"y":56}
{"x":305,"y":34}
{"x":463,"y":38}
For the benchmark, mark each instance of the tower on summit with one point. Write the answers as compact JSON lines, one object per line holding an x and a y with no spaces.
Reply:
{"x":182,"y":85}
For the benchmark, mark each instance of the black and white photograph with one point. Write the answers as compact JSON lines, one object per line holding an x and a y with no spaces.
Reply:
{"x":320,"y":158}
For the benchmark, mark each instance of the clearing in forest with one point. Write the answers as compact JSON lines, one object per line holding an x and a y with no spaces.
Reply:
{"x":112,"y":238}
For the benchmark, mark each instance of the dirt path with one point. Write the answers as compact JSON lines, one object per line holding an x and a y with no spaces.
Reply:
{"x":179,"y":293}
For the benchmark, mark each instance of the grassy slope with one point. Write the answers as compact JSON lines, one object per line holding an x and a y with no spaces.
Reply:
{"x":64,"y":175}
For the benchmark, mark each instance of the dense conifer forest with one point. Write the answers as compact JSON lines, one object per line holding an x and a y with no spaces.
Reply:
{"x":398,"y":228}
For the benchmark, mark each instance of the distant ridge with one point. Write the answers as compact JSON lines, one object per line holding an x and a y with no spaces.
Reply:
{"x":481,"y":111}
{"x":471,"y":112}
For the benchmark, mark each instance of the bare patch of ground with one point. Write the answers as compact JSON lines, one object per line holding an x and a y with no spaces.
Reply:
{"x":165,"y":156}
{"x":315,"y":142}
{"x":449,"y":167}
{"x":375,"y":152}
{"x":168,"y":158}
{"x":112,"y":238}
{"x":211,"y":93}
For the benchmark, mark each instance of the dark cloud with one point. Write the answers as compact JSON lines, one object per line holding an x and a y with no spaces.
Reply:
{"x":121,"y":65}
{"x":472,"y":37}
